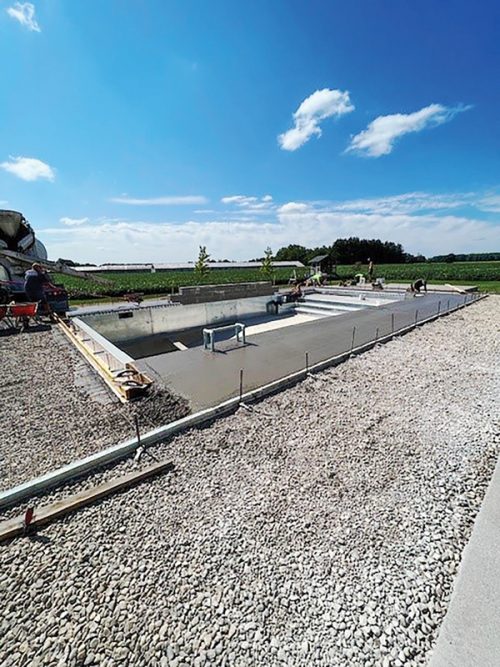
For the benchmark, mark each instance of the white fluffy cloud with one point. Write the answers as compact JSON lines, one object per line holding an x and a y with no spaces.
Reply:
{"x":73,"y":222}
{"x":293,"y":207}
{"x":24,"y":12}
{"x":315,"y":108}
{"x":381,"y":134}
{"x":160,"y":201}
{"x":28,"y":168}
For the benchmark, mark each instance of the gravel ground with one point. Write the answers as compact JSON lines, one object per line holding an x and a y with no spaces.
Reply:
{"x":322,"y":528}
{"x":52,"y":409}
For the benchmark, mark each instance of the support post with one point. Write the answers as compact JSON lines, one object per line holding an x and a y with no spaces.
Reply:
{"x":439,"y":307}
{"x":241,"y":383}
{"x":137,"y":431}
{"x":416,"y":316}
{"x":353,"y":335}
{"x":307,"y":363}
{"x":392,"y":322}
{"x":448,"y":306}
{"x":376,"y":335}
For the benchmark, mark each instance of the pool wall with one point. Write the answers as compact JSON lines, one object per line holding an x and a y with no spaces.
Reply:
{"x":128,"y":324}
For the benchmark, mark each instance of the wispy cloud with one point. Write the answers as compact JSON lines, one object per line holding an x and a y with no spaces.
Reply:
{"x":161,"y":201}
{"x":422,"y":222}
{"x":411,"y":202}
{"x":73,"y":222}
{"x":239,"y":200}
{"x":24,"y":12}
{"x":250,"y":204}
{"x":320,"y":105}
{"x":490,"y":204}
{"x":28,"y":168}
{"x":381,"y":134}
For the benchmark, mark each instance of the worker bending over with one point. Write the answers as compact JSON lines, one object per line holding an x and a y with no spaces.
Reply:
{"x":418,"y":285}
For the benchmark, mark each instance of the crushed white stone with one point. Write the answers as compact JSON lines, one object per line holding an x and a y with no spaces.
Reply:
{"x":323,"y":528}
{"x":54,"y":411}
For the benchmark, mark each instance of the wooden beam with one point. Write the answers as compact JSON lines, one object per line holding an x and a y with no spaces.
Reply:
{"x":14,"y":527}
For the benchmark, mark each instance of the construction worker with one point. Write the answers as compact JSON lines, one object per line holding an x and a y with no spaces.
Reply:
{"x":370,"y":270}
{"x":35,"y":279}
{"x":418,"y":285}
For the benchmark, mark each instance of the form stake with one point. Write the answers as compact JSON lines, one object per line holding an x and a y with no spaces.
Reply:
{"x":137,"y":431}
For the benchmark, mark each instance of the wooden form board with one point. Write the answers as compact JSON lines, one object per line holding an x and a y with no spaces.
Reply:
{"x":14,"y":527}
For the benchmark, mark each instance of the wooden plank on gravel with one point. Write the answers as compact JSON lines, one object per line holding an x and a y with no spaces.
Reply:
{"x":13,"y":527}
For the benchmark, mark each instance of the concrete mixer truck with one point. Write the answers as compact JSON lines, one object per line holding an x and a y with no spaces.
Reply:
{"x":18,"y":250}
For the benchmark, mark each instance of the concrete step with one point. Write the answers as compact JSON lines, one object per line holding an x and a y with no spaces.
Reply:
{"x":318,"y":312}
{"x":313,"y":302}
{"x":324,"y":306}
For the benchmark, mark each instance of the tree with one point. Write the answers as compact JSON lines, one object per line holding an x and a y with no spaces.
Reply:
{"x":201,"y":267}
{"x":292,"y":253}
{"x":267,"y":267}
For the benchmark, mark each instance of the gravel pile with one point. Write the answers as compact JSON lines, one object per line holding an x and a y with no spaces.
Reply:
{"x":52,"y":409}
{"x":324,"y":527}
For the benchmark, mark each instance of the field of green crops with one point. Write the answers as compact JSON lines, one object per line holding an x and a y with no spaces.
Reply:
{"x":467,"y":273}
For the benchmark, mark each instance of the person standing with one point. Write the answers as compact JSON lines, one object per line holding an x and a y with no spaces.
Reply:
{"x":35,"y":280}
{"x":370,"y":270}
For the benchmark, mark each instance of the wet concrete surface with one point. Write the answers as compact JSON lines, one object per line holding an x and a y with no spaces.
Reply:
{"x":207,"y":378}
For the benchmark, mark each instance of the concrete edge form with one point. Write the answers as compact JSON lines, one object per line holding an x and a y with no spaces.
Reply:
{"x":123,"y":449}
{"x":469,"y":635}
{"x":18,"y":526}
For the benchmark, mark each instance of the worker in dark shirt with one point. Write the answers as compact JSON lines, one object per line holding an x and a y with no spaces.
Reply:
{"x":418,"y":285}
{"x":35,"y":279}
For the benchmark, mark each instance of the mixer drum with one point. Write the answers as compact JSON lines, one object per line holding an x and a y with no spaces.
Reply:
{"x":17,"y":235}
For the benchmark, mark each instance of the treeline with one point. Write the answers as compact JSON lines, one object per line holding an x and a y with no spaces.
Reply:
{"x":350,"y":251}
{"x":471,"y":257}
{"x":354,"y":250}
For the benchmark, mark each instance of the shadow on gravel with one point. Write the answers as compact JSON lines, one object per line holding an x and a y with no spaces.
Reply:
{"x":37,"y":328}
{"x":42,"y":539}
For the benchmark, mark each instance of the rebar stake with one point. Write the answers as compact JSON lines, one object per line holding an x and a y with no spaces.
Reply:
{"x":137,"y":430}
{"x":353,"y":334}
{"x":241,"y":383}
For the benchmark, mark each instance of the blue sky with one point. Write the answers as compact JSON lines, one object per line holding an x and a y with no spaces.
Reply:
{"x":138,"y":130}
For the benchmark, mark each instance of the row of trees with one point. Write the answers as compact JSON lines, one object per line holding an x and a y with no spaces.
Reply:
{"x":471,"y":257}
{"x":350,"y":251}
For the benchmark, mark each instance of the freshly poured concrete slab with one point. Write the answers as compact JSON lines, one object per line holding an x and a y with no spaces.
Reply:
{"x":470,"y":634}
{"x":208,"y":378}
{"x":281,"y":323}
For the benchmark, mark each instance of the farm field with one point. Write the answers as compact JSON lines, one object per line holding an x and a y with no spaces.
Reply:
{"x":486,"y":275}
